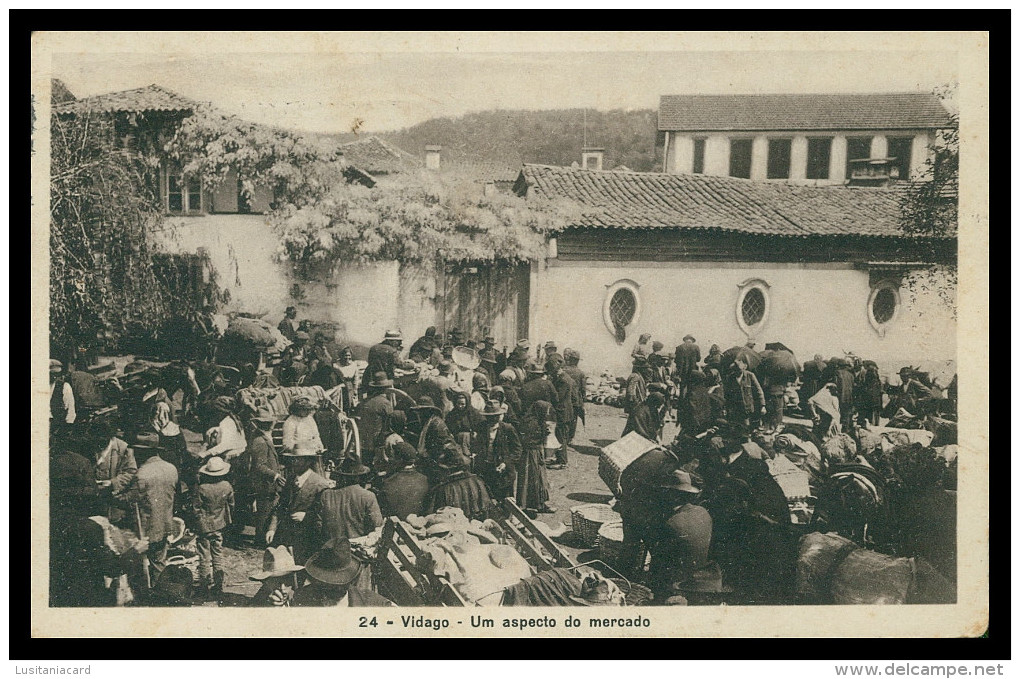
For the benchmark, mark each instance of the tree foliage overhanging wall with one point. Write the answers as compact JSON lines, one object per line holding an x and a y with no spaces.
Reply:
{"x":324,"y":220}
{"x":108,"y":281}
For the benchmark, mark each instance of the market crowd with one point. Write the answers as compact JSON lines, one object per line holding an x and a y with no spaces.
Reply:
{"x":467,"y":425}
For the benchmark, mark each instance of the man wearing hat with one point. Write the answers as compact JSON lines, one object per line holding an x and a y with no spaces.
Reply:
{"x":288,"y":525}
{"x":373,"y":413}
{"x":403,"y":492}
{"x":115,"y":464}
{"x":278,"y":577}
{"x":423,"y":347}
{"x":549,"y":349}
{"x":686,"y":360}
{"x":213,"y":503}
{"x":537,"y":388}
{"x":434,"y":435}
{"x":385,"y":356}
{"x":565,"y":405}
{"x":459,"y":487}
{"x":571,"y":358}
{"x":151,"y":495}
{"x":287,"y":327}
{"x":844,"y":380}
{"x":332,"y":572}
{"x":497,"y":450}
{"x":264,"y":474}
{"x":349,"y":510}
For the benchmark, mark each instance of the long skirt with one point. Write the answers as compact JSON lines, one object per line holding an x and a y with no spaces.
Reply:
{"x":532,"y":487}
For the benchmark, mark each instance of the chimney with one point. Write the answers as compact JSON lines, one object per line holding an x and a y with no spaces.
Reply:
{"x":591,"y":157}
{"x":432,"y":157}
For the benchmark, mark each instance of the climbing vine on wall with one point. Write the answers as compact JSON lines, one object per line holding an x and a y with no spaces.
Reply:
{"x":323,"y":219}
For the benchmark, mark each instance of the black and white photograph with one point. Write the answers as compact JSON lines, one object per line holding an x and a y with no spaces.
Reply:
{"x":433,"y":328}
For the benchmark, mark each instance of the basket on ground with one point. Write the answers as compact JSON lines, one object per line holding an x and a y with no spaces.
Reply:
{"x":610,"y":542}
{"x":588,"y":518}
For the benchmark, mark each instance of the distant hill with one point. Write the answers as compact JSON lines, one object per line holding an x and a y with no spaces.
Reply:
{"x":548,"y":137}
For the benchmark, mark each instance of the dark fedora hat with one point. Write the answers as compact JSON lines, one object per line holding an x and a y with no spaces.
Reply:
{"x":494,"y":409}
{"x":426,"y":403}
{"x":352,"y":466}
{"x":334,"y":564}
{"x":380,"y":380}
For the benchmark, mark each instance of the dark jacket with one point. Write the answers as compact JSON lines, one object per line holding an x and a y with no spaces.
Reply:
{"x":465,"y":419}
{"x":686,"y":358}
{"x":844,"y":389}
{"x":636,"y":393}
{"x":403,"y":493}
{"x":744,"y":395}
{"x":868,"y":392}
{"x":154,"y":488}
{"x":434,"y":437}
{"x":566,"y":398}
{"x":767,"y":496}
{"x":506,"y":447}
{"x":86,"y":390}
{"x":348,"y":512}
{"x":580,"y":381}
{"x":643,"y":420}
{"x":384,"y":358}
{"x":264,"y":465}
{"x":686,"y":537}
{"x":73,"y":488}
{"x":287,"y":329}
{"x":372,"y":416}
{"x":302,"y":536}
{"x":538,"y":389}
{"x":310,"y":595}
{"x":213,"y":506}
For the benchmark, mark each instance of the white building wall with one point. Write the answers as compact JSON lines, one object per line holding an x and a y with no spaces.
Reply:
{"x":363,"y":300}
{"x":798,"y":157}
{"x":759,"y":157}
{"x":683,"y":154}
{"x":717,"y":155}
{"x":813,"y":309}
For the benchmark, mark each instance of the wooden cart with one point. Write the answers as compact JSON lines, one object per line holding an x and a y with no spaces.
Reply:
{"x":397,"y":576}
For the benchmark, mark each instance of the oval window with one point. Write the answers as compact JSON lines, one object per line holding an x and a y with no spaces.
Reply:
{"x":752,"y":305}
{"x":883,"y":305}
{"x":621,"y":308}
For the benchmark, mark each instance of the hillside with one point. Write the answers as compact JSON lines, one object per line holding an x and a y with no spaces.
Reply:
{"x":548,"y":137}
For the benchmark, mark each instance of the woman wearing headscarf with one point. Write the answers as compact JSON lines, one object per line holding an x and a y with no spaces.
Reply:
{"x":532,"y":487}
{"x":714,"y":358}
{"x":300,"y":426}
{"x":463,"y":421}
{"x":646,"y":418}
{"x":479,"y":391}
{"x":643,"y":347}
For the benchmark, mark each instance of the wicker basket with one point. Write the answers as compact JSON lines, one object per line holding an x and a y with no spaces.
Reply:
{"x":610,"y":542}
{"x":588,"y":518}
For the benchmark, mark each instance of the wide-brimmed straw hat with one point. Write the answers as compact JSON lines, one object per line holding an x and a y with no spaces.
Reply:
{"x":276,"y":562}
{"x":215,"y":466}
{"x":334,"y":564}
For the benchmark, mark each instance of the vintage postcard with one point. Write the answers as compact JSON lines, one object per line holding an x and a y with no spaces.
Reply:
{"x":510,"y":334}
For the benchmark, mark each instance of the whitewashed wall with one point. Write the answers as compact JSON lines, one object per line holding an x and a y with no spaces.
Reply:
{"x":364,"y":300}
{"x":813,"y":310}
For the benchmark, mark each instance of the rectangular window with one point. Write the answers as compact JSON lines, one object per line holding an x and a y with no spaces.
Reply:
{"x":740,"y":158}
{"x":699,"y":156}
{"x":779,"y":159}
{"x":183,"y":194}
{"x":857,"y":148}
{"x":819,"y":150}
{"x":900,"y":149}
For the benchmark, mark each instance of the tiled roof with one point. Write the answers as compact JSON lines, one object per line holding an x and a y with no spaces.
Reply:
{"x":482,"y":170}
{"x":375,"y":155}
{"x":802,"y":112}
{"x":151,"y":98}
{"x":645,"y":200}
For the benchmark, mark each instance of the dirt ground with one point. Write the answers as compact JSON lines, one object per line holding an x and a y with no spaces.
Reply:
{"x":579,"y":483}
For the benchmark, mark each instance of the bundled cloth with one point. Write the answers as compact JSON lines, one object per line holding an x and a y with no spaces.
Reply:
{"x":832,"y":569}
{"x":554,"y":587}
{"x":840,"y":449}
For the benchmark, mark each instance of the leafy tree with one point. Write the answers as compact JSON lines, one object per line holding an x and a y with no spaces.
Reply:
{"x":323,"y":219}
{"x":929,"y":207}
{"x":108,"y":280}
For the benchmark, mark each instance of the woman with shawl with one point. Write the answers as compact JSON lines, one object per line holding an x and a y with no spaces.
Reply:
{"x":532,"y":486}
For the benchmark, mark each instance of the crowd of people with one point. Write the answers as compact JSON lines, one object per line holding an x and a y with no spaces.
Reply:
{"x":124,"y":491}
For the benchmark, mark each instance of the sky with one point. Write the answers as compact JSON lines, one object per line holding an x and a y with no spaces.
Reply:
{"x":379,"y":91}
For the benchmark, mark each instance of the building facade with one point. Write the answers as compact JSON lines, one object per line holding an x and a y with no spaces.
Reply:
{"x":820,"y":269}
{"x":802,"y":138}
